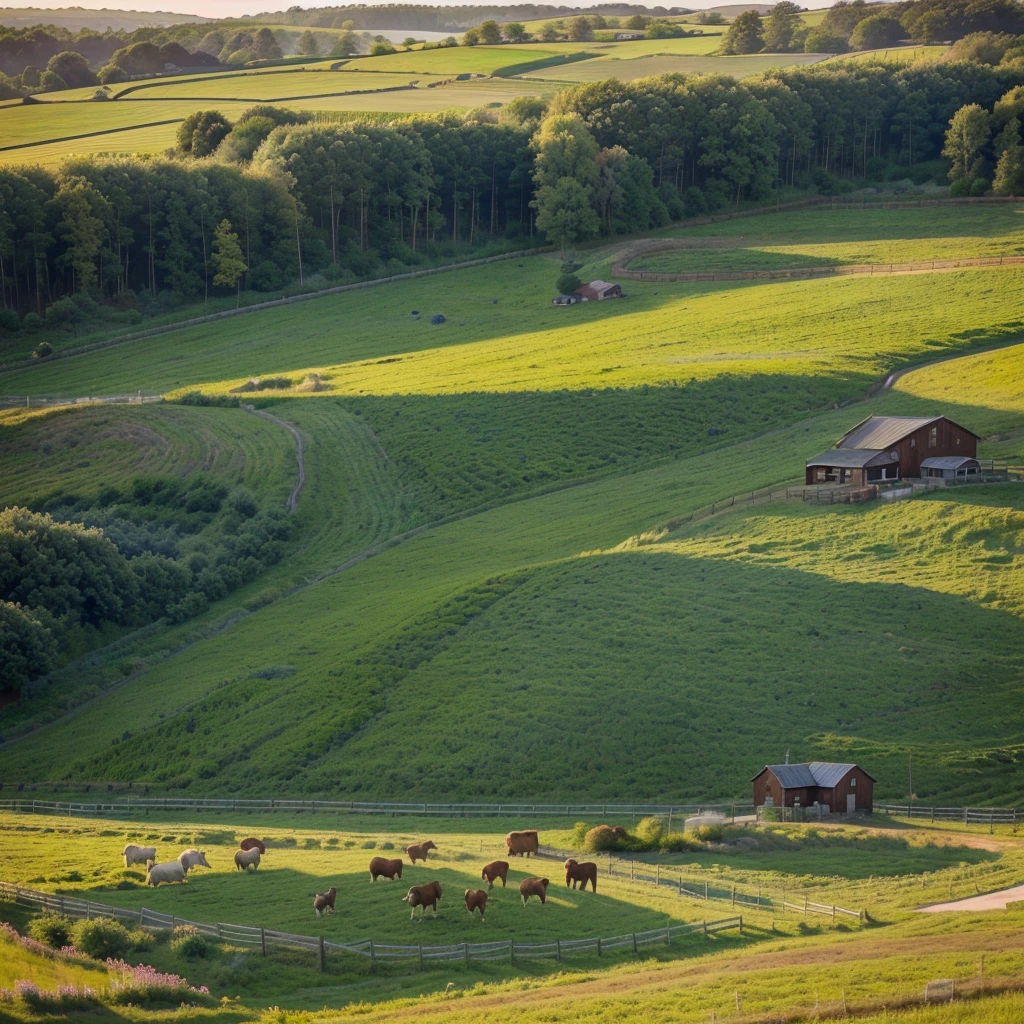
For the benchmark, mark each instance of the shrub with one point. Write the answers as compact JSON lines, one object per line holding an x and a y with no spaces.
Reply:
{"x":53,"y":929}
{"x":189,"y":941}
{"x":567,"y":283}
{"x":709,"y":833}
{"x":980,"y":186}
{"x":676,"y":842}
{"x":649,"y":832}
{"x":9,"y":321}
{"x":579,"y":834}
{"x":103,"y":938}
{"x":604,"y":837}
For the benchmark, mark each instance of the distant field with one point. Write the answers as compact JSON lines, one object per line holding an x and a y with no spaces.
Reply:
{"x":481,"y":60}
{"x":627,"y":70}
{"x":135,"y":140}
{"x":895,"y":54}
{"x":882,"y":236}
{"x":266,"y":88}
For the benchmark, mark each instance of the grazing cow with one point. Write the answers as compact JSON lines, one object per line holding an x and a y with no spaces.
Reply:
{"x":493,"y":871}
{"x":423,"y":896}
{"x":324,"y":901}
{"x":534,"y":887}
{"x":521,"y":844}
{"x":582,"y":873}
{"x":381,"y":867}
{"x":138,"y":854}
{"x":189,"y":859}
{"x":419,"y":851}
{"x":253,"y":844}
{"x":172,"y":871}
{"x":476,"y":898}
{"x":244,"y":859}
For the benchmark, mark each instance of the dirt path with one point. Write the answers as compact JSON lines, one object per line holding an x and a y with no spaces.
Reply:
{"x":299,"y":452}
{"x":987,"y":901}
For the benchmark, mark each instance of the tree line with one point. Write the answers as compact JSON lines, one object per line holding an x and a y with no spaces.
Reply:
{"x":299,"y":197}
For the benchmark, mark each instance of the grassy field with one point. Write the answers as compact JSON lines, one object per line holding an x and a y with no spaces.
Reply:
{"x":626,"y":70}
{"x":264,"y":88}
{"x":896,"y":55}
{"x":854,"y":237}
{"x":118,"y":143}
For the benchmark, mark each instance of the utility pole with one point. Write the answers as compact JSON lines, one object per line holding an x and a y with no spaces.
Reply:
{"x":910,"y":776}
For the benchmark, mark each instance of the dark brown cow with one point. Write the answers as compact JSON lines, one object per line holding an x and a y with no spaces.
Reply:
{"x":423,"y":896}
{"x":534,"y":887}
{"x":521,"y":844}
{"x":253,"y":844}
{"x":476,"y":898}
{"x":493,"y":871}
{"x":582,"y":873}
{"x":419,"y":851}
{"x":384,"y":868}
{"x":324,"y":901}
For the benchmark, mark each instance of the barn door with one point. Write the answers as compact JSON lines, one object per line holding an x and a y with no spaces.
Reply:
{"x":851,"y":803}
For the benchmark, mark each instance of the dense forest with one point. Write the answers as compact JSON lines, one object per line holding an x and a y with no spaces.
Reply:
{"x":271,"y":199}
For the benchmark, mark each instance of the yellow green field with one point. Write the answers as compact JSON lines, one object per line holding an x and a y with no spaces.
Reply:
{"x":626,"y":70}
{"x":266,"y":88}
{"x":896,"y":55}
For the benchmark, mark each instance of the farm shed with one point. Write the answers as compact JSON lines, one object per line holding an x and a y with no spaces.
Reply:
{"x":596,"y":291}
{"x":565,"y":300}
{"x":949,"y":467}
{"x":842,"y":788}
{"x":622,"y":36}
{"x":890,"y":448}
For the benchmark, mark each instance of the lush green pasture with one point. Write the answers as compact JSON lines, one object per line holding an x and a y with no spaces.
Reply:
{"x":626,"y":70}
{"x":451,"y":96}
{"x":118,"y":143}
{"x":478,"y":60}
{"x":896,"y":54}
{"x":292,"y":85}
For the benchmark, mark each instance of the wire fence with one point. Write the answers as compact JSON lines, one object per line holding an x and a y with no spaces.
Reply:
{"x":40,"y":402}
{"x":263,"y":938}
{"x":668,"y":876}
{"x":133,"y":805}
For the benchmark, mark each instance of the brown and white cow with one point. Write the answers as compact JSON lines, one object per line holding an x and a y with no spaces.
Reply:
{"x":381,"y":867}
{"x":476,"y":899}
{"x":423,"y":896}
{"x":323,"y":902}
{"x":580,"y":873}
{"x":520,"y":844}
{"x":534,"y":887}
{"x":493,"y":871}
{"x":419,"y":851}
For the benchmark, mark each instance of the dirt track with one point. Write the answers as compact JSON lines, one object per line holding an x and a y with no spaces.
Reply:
{"x":987,"y":901}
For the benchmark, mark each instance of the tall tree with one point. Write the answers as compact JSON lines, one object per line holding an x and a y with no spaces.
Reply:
{"x":780,"y":27}
{"x":745,"y":34}
{"x":968,"y":132}
{"x":308,"y":44}
{"x":81,"y":227}
{"x":228,"y":261}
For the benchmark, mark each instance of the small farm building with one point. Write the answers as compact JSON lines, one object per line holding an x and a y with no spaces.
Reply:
{"x":598,"y":290}
{"x":842,"y":788}
{"x":949,"y":467}
{"x":565,"y":300}
{"x":890,"y":448}
{"x":620,"y":36}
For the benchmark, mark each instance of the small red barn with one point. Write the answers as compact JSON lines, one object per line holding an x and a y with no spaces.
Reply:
{"x":890,"y":448}
{"x":597,"y":291}
{"x":842,"y":788}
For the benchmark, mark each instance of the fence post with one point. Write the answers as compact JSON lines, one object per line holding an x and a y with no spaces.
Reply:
{"x":263,"y":941}
{"x":599,"y":947}
{"x":668,"y":937}
{"x":741,"y":924}
{"x":705,"y":889}
{"x":421,"y":954}
{"x":323,"y":956}
{"x":465,"y":952}
{"x":634,"y":942}
{"x":657,"y":876}
{"x":373,"y":957}
{"x":632,"y":874}
{"x":734,"y":894}
{"x":558,"y":949}
{"x":512,"y":951}
{"x":705,"y":928}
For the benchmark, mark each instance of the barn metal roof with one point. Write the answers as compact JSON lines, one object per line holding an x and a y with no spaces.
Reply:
{"x":852,"y":458}
{"x":885,"y":431}
{"x":948,"y":462}
{"x":815,"y":773}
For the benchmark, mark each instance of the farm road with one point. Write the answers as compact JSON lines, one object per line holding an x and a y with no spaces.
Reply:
{"x":299,"y":453}
{"x":987,"y":901}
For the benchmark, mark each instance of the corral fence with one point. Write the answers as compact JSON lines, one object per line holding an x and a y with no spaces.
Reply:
{"x":40,"y":402}
{"x":262,"y":938}
{"x":132,"y":805}
{"x":990,"y":816}
{"x":671,"y":877}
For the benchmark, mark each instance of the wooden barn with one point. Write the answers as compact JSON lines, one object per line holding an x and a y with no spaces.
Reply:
{"x":842,"y":788}
{"x":598,"y":291}
{"x":884,"y":448}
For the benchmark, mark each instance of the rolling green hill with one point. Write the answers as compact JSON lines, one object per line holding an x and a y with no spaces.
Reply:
{"x":507,"y":626}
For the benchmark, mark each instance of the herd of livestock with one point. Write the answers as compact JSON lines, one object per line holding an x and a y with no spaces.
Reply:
{"x":251,"y":850}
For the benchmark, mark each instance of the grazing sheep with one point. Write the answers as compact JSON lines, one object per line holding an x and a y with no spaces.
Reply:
{"x":423,"y":896}
{"x":419,"y":851}
{"x":324,"y":901}
{"x":534,"y":887}
{"x":138,"y":854}
{"x":244,"y":859}
{"x":493,"y":871}
{"x":521,"y":844}
{"x":381,"y":867}
{"x":189,"y":859}
{"x":172,"y":871}
{"x":253,"y":844}
{"x":476,"y":898}
{"x":582,"y":873}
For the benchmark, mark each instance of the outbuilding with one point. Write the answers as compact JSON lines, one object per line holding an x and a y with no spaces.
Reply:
{"x":882,"y":448}
{"x":597,"y":291}
{"x":565,"y":300}
{"x":949,"y":467}
{"x":842,"y":788}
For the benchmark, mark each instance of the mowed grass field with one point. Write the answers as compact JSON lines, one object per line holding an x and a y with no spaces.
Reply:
{"x":275,"y":87}
{"x":896,"y":54}
{"x":853,"y":237}
{"x":626,"y":70}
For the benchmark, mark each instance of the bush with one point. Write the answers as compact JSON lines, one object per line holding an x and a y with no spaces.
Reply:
{"x":102,"y":938}
{"x":32,"y":321}
{"x":52,"y":929}
{"x":676,"y":842}
{"x":980,"y":186}
{"x":649,"y":832}
{"x":9,"y":321}
{"x":579,"y":834}
{"x":709,"y":833}
{"x":605,"y":837}
{"x":42,"y":351}
{"x":567,"y":283}
{"x":960,"y":189}
{"x":189,"y":941}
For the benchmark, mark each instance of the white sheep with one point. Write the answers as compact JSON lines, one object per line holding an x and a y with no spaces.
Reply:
{"x":192,"y":859}
{"x":172,"y":871}
{"x":138,"y":854}
{"x":246,"y":858}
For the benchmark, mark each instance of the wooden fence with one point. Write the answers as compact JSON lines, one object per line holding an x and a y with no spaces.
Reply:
{"x":265,"y":938}
{"x":962,"y":815}
{"x":132,"y":805}
{"x":40,"y":402}
{"x":666,"y":876}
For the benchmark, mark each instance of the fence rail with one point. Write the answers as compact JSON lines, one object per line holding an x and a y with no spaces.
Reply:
{"x":41,"y":402}
{"x":663,"y":876}
{"x":507,"y":949}
{"x":130,"y":805}
{"x":964,"y":815}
